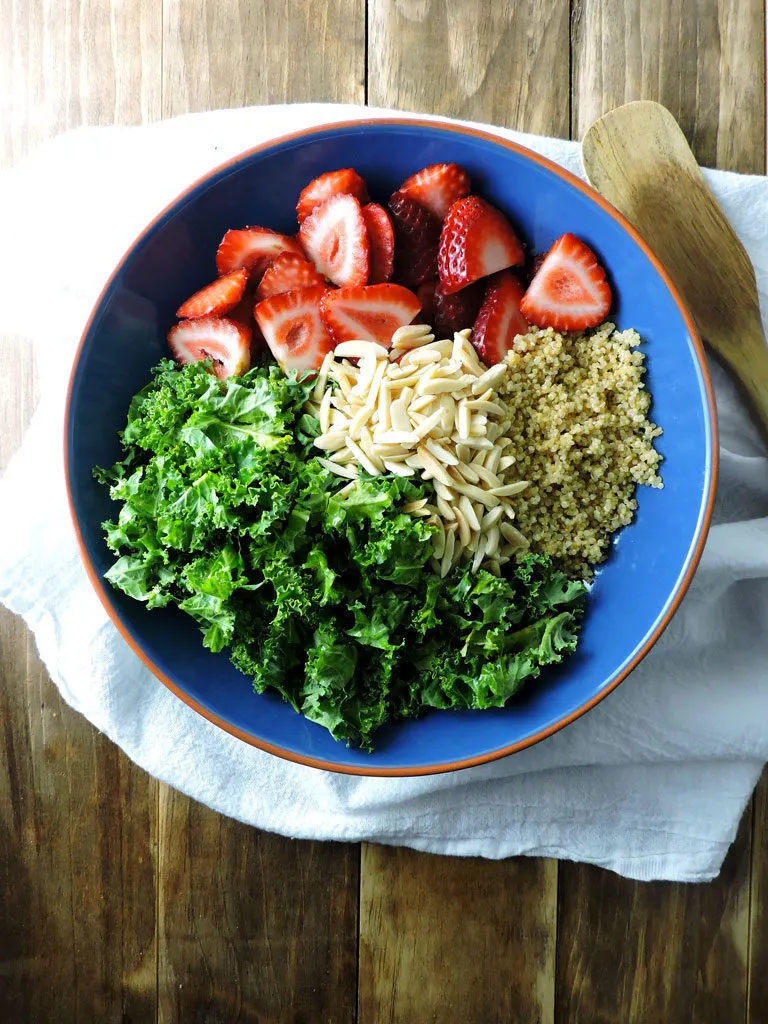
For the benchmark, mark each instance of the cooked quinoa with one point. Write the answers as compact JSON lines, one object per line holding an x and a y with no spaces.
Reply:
{"x":581,"y":436}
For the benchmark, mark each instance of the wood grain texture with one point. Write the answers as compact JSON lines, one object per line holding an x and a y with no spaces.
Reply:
{"x":71,"y":62}
{"x":451,"y":939}
{"x":703,"y":59}
{"x":636,"y":952}
{"x":233,"y":53}
{"x":497,"y":62}
{"x":253,"y":927}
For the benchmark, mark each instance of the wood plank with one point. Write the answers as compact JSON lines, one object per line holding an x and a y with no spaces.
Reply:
{"x":444,"y":939}
{"x":75,"y":62}
{"x":253,"y":927}
{"x":652,"y":951}
{"x":233,"y":53}
{"x":656,"y":951}
{"x":496,"y":62}
{"x":447,"y":939}
{"x":705,"y":61}
{"x":757,"y":978}
{"x":77,"y":819}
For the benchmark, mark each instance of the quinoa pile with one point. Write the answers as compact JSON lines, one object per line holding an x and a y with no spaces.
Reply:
{"x":581,"y":436}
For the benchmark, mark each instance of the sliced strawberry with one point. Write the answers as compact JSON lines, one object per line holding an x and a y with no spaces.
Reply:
{"x":332,"y":183}
{"x":425,"y":293}
{"x":437,"y":187}
{"x":458,"y":311}
{"x":223,"y":341}
{"x":215,"y":299}
{"x":368,"y":314}
{"x":252,"y":248}
{"x":336,"y":240}
{"x":417,"y":236}
{"x":499,"y":320}
{"x":569,"y":291}
{"x":476,"y":240}
{"x":287,"y":273}
{"x":293,"y":329}
{"x":381,"y":238}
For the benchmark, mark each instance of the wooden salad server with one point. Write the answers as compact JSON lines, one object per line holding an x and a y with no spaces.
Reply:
{"x":637,"y":157}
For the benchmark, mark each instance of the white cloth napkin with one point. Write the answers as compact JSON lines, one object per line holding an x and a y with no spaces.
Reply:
{"x":652,"y":783}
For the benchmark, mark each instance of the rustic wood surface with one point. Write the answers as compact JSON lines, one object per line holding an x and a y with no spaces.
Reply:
{"x":122,"y":900}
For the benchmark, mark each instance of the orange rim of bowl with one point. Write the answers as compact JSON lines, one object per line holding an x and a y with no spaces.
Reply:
{"x":682,"y":586}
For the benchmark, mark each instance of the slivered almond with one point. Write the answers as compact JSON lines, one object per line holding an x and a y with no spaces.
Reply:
{"x":465,"y":533}
{"x":342,"y":456}
{"x":441,"y":454}
{"x":399,"y":417}
{"x":427,"y":426}
{"x":405,"y":336}
{"x":466,"y":471}
{"x":510,"y":489}
{"x":325,"y":412}
{"x":330,"y":442}
{"x":360,"y":350}
{"x":362,"y":458}
{"x":513,"y":535}
{"x":439,"y":386}
{"x":489,"y":479}
{"x":321,"y":383}
{"x":491,"y":517}
{"x":450,"y":543}
{"x":433,"y":467}
{"x":492,"y":542}
{"x":490,"y":379}
{"x":464,"y":424}
{"x":358,"y":420}
{"x":469,"y":513}
{"x":411,"y":506}
{"x":398,"y":469}
{"x":489,"y":408}
{"x":350,"y":472}
{"x":506,"y":462}
{"x":446,"y":510}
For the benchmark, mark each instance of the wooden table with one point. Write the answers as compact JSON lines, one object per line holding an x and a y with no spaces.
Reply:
{"x":120,"y":899}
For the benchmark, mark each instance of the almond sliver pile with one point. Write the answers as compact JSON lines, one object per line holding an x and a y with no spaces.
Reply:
{"x":435,"y":413}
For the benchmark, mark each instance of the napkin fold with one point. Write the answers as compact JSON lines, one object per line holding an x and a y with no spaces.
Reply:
{"x":651,"y":783}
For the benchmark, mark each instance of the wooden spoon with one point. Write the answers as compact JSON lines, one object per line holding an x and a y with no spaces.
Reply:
{"x":638,"y":158}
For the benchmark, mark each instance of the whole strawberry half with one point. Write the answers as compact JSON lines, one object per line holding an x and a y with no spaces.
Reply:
{"x":476,"y":240}
{"x":225,"y":342}
{"x":287,"y":273}
{"x":333,"y":183}
{"x":291,"y":325}
{"x":458,"y":311}
{"x":217,"y":298}
{"x":417,"y":236}
{"x":437,"y":187}
{"x":381,"y":241}
{"x":253,"y":249}
{"x":569,"y":291}
{"x":335,"y":238}
{"x":499,"y":321}
{"x":373,"y":313}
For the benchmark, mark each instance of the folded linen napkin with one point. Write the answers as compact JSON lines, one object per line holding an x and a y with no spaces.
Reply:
{"x":652,"y":783}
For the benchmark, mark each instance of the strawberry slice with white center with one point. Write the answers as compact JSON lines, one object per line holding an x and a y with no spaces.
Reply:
{"x":287,"y":273}
{"x":223,"y":341}
{"x":437,"y":187}
{"x":217,"y":298}
{"x":291,"y":325}
{"x":476,"y":240}
{"x":252,"y":249}
{"x":368,"y":314}
{"x":381,"y":239}
{"x":569,"y":291}
{"x":332,"y":183}
{"x":335,"y":238}
{"x":499,"y":321}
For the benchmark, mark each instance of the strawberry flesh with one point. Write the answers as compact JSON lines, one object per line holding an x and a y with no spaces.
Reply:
{"x":569,"y":291}
{"x":217,"y":298}
{"x":458,"y":311}
{"x":476,"y":240}
{"x":332,"y":183}
{"x":291,"y":325}
{"x":417,"y":236}
{"x":373,"y":313}
{"x":499,"y":321}
{"x":253,"y":249}
{"x":381,"y":240}
{"x":437,"y":187}
{"x":225,"y":342}
{"x":335,"y":238}
{"x":287,"y":273}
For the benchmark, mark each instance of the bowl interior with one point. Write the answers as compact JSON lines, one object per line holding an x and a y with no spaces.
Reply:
{"x":175,"y":256}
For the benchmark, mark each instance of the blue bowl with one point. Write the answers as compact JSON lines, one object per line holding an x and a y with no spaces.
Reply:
{"x":654,"y":559}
